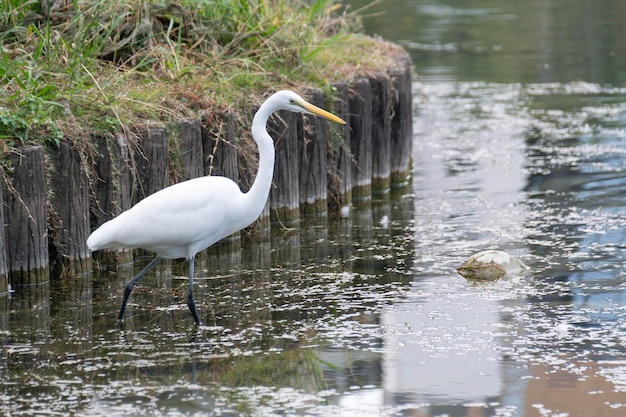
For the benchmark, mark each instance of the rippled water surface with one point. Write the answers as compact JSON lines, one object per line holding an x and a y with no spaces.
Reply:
{"x":366,"y":316}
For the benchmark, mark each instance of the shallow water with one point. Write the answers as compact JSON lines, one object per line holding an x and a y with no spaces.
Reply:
{"x":365,"y":316}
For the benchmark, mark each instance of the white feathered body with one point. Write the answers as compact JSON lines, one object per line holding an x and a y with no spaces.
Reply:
{"x":180,"y":220}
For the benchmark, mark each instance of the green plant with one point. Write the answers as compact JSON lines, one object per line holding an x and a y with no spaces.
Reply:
{"x":121,"y":60}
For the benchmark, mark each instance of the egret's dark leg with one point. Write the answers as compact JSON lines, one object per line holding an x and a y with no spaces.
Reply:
{"x":190,"y":303}
{"x":131,"y":284}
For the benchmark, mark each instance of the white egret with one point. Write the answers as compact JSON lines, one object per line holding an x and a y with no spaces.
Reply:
{"x":186,"y":218}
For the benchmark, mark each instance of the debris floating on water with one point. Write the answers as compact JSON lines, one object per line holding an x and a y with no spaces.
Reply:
{"x":384,"y":222}
{"x":490,"y":265}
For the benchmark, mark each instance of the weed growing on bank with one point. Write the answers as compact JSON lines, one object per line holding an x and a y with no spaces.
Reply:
{"x":70,"y":66}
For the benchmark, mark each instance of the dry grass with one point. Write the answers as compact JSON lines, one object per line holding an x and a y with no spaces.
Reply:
{"x":99,"y":65}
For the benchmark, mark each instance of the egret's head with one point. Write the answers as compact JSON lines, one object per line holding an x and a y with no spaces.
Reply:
{"x":288,"y":100}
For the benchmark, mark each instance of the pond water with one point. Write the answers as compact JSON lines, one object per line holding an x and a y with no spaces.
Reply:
{"x":520,"y":121}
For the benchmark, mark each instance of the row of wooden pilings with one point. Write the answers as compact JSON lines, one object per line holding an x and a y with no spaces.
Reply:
{"x":54,"y":198}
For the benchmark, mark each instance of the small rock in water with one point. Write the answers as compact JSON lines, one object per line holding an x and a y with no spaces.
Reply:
{"x":490,"y":265}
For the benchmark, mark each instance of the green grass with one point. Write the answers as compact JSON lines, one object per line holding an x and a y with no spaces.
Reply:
{"x":100,"y":65}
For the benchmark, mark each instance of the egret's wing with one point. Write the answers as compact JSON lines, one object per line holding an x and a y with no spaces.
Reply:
{"x":173,"y":217}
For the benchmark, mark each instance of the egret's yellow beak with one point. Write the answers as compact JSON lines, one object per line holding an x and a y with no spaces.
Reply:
{"x":321,"y":112}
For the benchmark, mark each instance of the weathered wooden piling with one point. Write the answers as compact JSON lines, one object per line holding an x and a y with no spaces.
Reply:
{"x":111,"y":178}
{"x":69,"y":211}
{"x":4,"y":270}
{"x":312,"y":141}
{"x":361,"y":138}
{"x":285,"y":192}
{"x":25,"y":216}
{"x":381,"y":134}
{"x":339,"y":159}
{"x":151,"y":161}
{"x":218,"y":143}
{"x":111,"y":186}
{"x":401,"y":124}
{"x":189,"y":148}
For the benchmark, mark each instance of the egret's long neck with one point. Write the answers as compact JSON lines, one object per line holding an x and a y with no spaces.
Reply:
{"x":260,"y":189}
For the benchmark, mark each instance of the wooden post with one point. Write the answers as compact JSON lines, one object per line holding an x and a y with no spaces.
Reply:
{"x":313,"y":167}
{"x":111,"y":186}
{"x":339,"y":160}
{"x":189,"y":145}
{"x":110,"y":189}
{"x":381,"y":134}
{"x":152,"y":162}
{"x":4,"y":271}
{"x":401,"y":125}
{"x":25,"y":216}
{"x":285,"y":193}
{"x":361,"y":138}
{"x":218,"y":142}
{"x":69,"y":218}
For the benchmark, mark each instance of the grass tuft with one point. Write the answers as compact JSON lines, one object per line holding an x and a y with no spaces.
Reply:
{"x":98,"y":65}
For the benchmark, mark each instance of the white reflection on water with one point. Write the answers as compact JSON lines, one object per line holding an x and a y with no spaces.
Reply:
{"x":469,"y":158}
{"x":538,"y":171}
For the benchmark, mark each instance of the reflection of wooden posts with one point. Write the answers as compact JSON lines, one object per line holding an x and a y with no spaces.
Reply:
{"x":76,"y":305}
{"x":6,"y":311}
{"x":25,"y":216}
{"x":312,"y":155}
{"x":286,"y":248}
{"x":361,"y":138}
{"x":339,"y":161}
{"x":214,"y":269}
{"x":363,"y":231}
{"x":315,"y":243}
{"x":33,"y":306}
{"x":69,"y":208}
{"x":285,"y":193}
{"x":401,"y":125}
{"x":381,"y":134}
